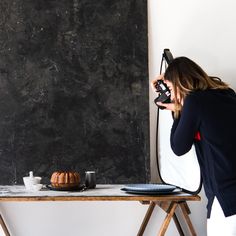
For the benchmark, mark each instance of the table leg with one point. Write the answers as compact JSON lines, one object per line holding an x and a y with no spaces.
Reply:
{"x":178,"y":226}
{"x":165,"y":206}
{"x":169,"y":208}
{"x":168,"y":217}
{"x":4,"y":227}
{"x":186,"y":211}
{"x":146,"y":218}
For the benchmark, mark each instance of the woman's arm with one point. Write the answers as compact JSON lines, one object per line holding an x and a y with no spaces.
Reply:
{"x":185,"y":127}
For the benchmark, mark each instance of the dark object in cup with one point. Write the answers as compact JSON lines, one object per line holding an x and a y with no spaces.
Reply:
{"x":90,"y":179}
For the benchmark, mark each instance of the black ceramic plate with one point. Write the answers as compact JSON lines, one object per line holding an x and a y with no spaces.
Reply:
{"x":150,"y":188}
{"x":76,"y":188}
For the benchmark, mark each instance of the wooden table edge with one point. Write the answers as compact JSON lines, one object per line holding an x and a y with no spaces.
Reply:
{"x":102,"y":198}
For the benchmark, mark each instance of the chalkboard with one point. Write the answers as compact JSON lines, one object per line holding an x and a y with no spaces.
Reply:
{"x":74,"y":89}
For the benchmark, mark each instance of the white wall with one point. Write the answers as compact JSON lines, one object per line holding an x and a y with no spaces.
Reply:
{"x":201,"y":30}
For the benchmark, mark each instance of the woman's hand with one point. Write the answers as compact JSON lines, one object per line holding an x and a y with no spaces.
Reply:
{"x":154,"y":82}
{"x":168,"y":106}
{"x":171,"y":106}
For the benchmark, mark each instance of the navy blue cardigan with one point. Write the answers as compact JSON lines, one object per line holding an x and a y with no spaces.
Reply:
{"x":211,"y":114}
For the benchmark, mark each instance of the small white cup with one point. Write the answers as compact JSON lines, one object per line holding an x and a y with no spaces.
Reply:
{"x":30,"y":181}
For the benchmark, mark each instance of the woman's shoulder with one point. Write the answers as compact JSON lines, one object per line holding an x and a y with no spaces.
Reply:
{"x":231,"y":91}
{"x":211,"y":96}
{"x":198,"y":95}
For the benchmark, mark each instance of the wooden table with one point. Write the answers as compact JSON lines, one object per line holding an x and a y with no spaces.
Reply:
{"x":168,"y":203}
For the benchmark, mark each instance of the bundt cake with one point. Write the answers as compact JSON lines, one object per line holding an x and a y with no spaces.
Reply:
{"x":64,"y":179}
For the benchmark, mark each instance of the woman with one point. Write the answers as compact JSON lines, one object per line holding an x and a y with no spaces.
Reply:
{"x":204,"y":112}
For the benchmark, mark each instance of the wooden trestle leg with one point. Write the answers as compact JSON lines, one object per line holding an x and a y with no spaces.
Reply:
{"x":186,"y":211}
{"x":146,"y":218}
{"x":4,"y":227}
{"x":169,"y":208}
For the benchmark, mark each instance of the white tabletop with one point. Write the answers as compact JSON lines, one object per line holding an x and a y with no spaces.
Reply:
{"x":102,"y":192}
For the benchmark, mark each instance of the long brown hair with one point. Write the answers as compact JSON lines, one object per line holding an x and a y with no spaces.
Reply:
{"x":186,"y":76}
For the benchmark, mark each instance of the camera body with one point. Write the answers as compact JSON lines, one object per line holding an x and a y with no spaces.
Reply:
{"x":164,"y":92}
{"x":161,"y":87}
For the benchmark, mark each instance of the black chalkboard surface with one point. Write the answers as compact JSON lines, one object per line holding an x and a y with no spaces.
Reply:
{"x":74,"y":89}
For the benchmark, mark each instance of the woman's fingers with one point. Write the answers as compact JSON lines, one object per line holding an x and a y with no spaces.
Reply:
{"x":168,"y":106}
{"x":153,"y":86}
{"x":154,"y":82}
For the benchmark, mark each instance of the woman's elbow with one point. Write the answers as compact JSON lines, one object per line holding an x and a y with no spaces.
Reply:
{"x":179,"y":151}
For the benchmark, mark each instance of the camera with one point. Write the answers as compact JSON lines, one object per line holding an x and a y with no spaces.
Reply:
{"x":161,"y":87}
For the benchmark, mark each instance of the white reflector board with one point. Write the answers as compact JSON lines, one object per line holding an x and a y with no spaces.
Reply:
{"x":182,"y":171}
